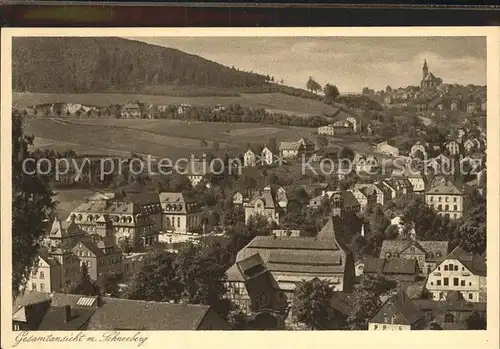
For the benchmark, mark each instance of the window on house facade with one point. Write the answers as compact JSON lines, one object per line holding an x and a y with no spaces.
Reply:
{"x":447,"y":208}
{"x":440,"y":207}
{"x":455,"y":281}
{"x":470,"y":296}
{"x":456,"y":267}
{"x":432,"y":198}
{"x":439,"y":198}
{"x":470,"y":283}
{"x":455,"y":208}
{"x":450,"y":266}
{"x":400,"y":328}
{"x":445,"y":281}
{"x":16,"y":327}
{"x":462,"y":282}
{"x":384,"y":327}
{"x":375,"y":327}
{"x":438,"y":282}
{"x":33,"y":286}
{"x":178,"y":222}
{"x":42,"y":286}
{"x":42,"y":275}
{"x":446,"y":199}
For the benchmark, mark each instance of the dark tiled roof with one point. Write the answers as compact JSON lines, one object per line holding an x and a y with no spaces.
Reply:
{"x":342,"y":302}
{"x":435,"y":250}
{"x":115,"y":313}
{"x":292,"y":243}
{"x":152,"y":316}
{"x":44,"y":254}
{"x":349,"y":200}
{"x":474,"y":263}
{"x":143,"y":198}
{"x":446,"y":187}
{"x":54,"y":319}
{"x":91,"y":246}
{"x":391,"y":266}
{"x":260,"y":284}
{"x":398,"y":309}
{"x":460,"y":305}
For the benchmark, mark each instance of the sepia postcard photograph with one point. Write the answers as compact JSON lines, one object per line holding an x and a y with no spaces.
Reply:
{"x":210,"y":180}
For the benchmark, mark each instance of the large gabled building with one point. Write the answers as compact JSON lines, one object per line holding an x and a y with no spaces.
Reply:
{"x":446,"y":198}
{"x":459,"y":271}
{"x":293,"y":259}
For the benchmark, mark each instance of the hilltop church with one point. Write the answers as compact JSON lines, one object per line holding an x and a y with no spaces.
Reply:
{"x":429,"y":81}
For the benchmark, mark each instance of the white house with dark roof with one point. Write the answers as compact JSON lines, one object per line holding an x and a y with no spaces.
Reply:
{"x":446,"y":198}
{"x":459,"y":271}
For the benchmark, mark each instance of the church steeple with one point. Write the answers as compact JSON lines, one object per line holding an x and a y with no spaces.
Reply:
{"x":425,"y":69}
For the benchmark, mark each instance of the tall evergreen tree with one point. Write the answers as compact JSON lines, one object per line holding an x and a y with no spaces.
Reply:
{"x":32,"y":204}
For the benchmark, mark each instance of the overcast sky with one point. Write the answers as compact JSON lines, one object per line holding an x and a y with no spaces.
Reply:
{"x":348,"y":62}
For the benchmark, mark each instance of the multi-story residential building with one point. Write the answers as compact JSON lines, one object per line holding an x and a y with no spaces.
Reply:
{"x":427,"y":253}
{"x":270,"y":203}
{"x":58,"y":265}
{"x":251,"y":157}
{"x":47,"y":275}
{"x":446,"y":198}
{"x":385,"y":148}
{"x":181,"y":214}
{"x":342,"y":202}
{"x":382,"y":192}
{"x":398,"y":313}
{"x":416,"y":179}
{"x":440,"y":164}
{"x":126,"y":219}
{"x":266,"y":157}
{"x":454,"y":148}
{"x":365,"y":196}
{"x":328,"y":130}
{"x":291,"y":150}
{"x":293,"y":259}
{"x":459,"y":271}
{"x":100,"y":255}
{"x":150,"y":203}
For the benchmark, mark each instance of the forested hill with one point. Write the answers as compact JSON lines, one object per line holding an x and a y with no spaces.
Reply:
{"x":80,"y":65}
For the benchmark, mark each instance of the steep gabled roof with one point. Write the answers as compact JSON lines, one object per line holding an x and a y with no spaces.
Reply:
{"x":445,"y":188}
{"x":399,"y":310}
{"x":474,"y":263}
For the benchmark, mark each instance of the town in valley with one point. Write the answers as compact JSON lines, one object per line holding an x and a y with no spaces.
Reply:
{"x":286,"y":203}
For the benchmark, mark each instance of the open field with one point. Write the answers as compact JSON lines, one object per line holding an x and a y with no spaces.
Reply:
{"x":165,"y":138}
{"x":274,"y":101}
{"x":162,"y":138}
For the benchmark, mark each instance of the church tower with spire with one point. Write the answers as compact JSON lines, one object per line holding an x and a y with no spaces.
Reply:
{"x":425,"y":69}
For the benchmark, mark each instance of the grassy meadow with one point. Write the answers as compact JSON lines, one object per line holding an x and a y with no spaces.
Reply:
{"x":277,"y":102}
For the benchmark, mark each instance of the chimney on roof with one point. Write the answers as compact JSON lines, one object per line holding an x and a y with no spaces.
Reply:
{"x":67,"y":313}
